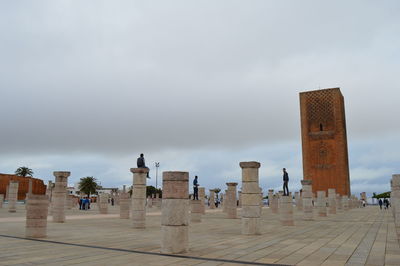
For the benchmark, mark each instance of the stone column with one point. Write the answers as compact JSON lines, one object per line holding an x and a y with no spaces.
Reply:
{"x":12,"y":196}
{"x":212,"y":199}
{"x":139,"y":197}
{"x":321,"y":203}
{"x":275,"y":201}
{"x":297,"y":200}
{"x":7,"y":192}
{"x":158,"y":200}
{"x":339,"y":205}
{"x":261,"y":200}
{"x":345,"y":203}
{"x":30,"y":186}
{"x":202,"y":196}
{"x":286,"y":210}
{"x":231,"y":207}
{"x":270,"y":196}
{"x":59,"y":196}
{"x":395,"y":199}
{"x":307,"y":200}
{"x":224,"y":199}
{"x":1,"y":200}
{"x":124,"y":205}
{"x":240,"y":199}
{"x":175,"y":212}
{"x":332,"y":201}
{"x":195,"y":211}
{"x":103,"y":203}
{"x":36,"y":216}
{"x":250,"y":198}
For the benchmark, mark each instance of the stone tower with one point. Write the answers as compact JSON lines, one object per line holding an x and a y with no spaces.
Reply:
{"x":324,"y":140}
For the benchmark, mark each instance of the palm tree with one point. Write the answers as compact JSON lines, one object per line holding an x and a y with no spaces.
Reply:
{"x":88,"y":185}
{"x":24,"y":171}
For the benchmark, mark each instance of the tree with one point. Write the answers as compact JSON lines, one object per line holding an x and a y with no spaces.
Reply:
{"x":150,"y":190}
{"x":217,"y":190}
{"x":24,"y":171}
{"x":88,"y":185}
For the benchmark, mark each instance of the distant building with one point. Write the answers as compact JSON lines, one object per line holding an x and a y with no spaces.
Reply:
{"x":38,"y":187}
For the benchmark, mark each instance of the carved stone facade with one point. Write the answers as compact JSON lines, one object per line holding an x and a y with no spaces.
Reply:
{"x":324,"y":139}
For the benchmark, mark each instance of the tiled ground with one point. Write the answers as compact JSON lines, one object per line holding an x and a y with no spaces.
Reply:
{"x":358,"y":237}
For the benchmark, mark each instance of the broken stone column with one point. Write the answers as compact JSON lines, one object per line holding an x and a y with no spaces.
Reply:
{"x":250,"y":198}
{"x":395,"y":199}
{"x":7,"y":192}
{"x":149,"y":202}
{"x":298,"y":200}
{"x":231,"y":208}
{"x":270,"y":195}
{"x":307,"y":200}
{"x":139,"y":197}
{"x":224,"y":199}
{"x":1,"y":200}
{"x":212,"y":199}
{"x":332,"y":201}
{"x":345,"y":203}
{"x":36,"y":216}
{"x":158,"y":200}
{"x":240,"y":199}
{"x":12,"y":196}
{"x":195,"y":211}
{"x":30,"y":186}
{"x":339,"y":205}
{"x":202,"y":195}
{"x":321,"y":203}
{"x":175,"y":212}
{"x":286,"y":210}
{"x":59,"y":196}
{"x":275,"y":202}
{"x":103,"y":203}
{"x":124,"y":204}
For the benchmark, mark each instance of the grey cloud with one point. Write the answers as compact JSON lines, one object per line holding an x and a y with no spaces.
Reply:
{"x":120,"y":77}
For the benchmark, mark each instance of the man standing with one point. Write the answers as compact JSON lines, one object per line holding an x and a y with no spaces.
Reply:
{"x":195,"y":189}
{"x":141,"y":163}
{"x":285,"y":183}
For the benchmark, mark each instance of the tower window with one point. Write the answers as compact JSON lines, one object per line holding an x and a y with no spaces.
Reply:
{"x":321,"y":128}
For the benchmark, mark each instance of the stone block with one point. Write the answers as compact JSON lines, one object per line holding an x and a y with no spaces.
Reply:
{"x":139,"y":192}
{"x":139,"y":180}
{"x":251,"y":211}
{"x":138,"y":204}
{"x":175,"y":212}
{"x":251,"y":199}
{"x":251,"y":226}
{"x":175,"y":239}
{"x":250,"y":175}
{"x":250,"y":187}
{"x":175,"y":189}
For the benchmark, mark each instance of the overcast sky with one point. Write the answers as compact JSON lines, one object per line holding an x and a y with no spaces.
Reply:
{"x":86,"y":86}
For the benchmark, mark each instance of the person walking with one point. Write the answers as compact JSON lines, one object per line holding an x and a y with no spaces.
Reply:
{"x":141,"y":164}
{"x":380,"y":203}
{"x":285,"y":183}
{"x":195,"y":189}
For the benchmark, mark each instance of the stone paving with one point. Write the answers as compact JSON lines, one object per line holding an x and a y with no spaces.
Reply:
{"x":357,"y":237}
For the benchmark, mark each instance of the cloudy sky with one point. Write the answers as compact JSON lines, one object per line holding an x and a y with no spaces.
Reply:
{"x":86,"y":86}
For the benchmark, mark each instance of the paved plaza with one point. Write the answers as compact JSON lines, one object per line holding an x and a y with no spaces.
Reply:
{"x":363,"y":236}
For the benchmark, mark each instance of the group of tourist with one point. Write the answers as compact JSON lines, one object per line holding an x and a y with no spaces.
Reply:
{"x":385,"y":203}
{"x":84,"y":203}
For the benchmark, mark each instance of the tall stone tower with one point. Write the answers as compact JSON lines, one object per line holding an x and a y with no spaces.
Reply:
{"x":324,"y":140}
